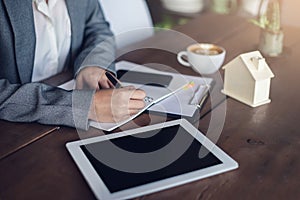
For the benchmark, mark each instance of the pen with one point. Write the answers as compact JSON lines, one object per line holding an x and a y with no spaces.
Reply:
{"x":29,"y":142}
{"x":113,"y":80}
{"x":118,"y":84}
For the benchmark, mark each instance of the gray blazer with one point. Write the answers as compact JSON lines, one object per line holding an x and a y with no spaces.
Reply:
{"x":22,"y":101}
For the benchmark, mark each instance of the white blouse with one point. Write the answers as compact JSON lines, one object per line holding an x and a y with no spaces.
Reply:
{"x":53,"y":37}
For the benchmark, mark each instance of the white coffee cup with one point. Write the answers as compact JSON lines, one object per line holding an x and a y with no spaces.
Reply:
{"x":203,"y":58}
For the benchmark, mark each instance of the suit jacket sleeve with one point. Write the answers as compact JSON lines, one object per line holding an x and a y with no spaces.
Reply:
{"x":37,"y":102}
{"x":98,"y":47}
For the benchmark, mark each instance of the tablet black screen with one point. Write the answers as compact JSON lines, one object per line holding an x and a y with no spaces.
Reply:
{"x":160,"y":80}
{"x":189,"y":161}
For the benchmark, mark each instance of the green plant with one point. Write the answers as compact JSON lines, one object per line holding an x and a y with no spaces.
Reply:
{"x":223,"y":6}
{"x":270,"y":19}
{"x":169,"y":22}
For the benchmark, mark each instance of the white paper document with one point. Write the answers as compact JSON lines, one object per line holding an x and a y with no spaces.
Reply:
{"x":180,"y":97}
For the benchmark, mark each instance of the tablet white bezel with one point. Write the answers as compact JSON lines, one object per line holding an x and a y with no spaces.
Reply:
{"x":101,"y":191}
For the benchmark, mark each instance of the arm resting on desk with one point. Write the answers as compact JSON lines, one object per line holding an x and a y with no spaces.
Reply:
{"x":37,"y":102}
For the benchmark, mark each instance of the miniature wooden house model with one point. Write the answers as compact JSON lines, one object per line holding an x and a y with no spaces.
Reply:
{"x":247,"y":78}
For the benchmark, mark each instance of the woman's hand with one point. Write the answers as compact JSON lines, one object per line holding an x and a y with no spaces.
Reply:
{"x":114,"y":105}
{"x":92,"y":78}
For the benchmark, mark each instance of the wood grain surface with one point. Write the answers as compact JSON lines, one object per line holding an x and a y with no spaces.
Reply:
{"x":265,"y":141}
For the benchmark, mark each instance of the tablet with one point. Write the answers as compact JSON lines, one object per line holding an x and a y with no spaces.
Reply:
{"x":148,"y":159}
{"x":144,"y":78}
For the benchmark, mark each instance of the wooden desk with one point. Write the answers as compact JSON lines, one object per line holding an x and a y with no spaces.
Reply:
{"x":264,"y":140}
{"x":15,"y":136}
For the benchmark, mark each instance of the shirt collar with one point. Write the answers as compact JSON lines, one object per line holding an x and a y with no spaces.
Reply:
{"x":51,"y":3}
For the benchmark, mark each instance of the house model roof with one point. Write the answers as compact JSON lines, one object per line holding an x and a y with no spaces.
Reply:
{"x":255,"y":64}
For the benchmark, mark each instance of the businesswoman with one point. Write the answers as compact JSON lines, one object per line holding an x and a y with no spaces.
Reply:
{"x":40,"y":38}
